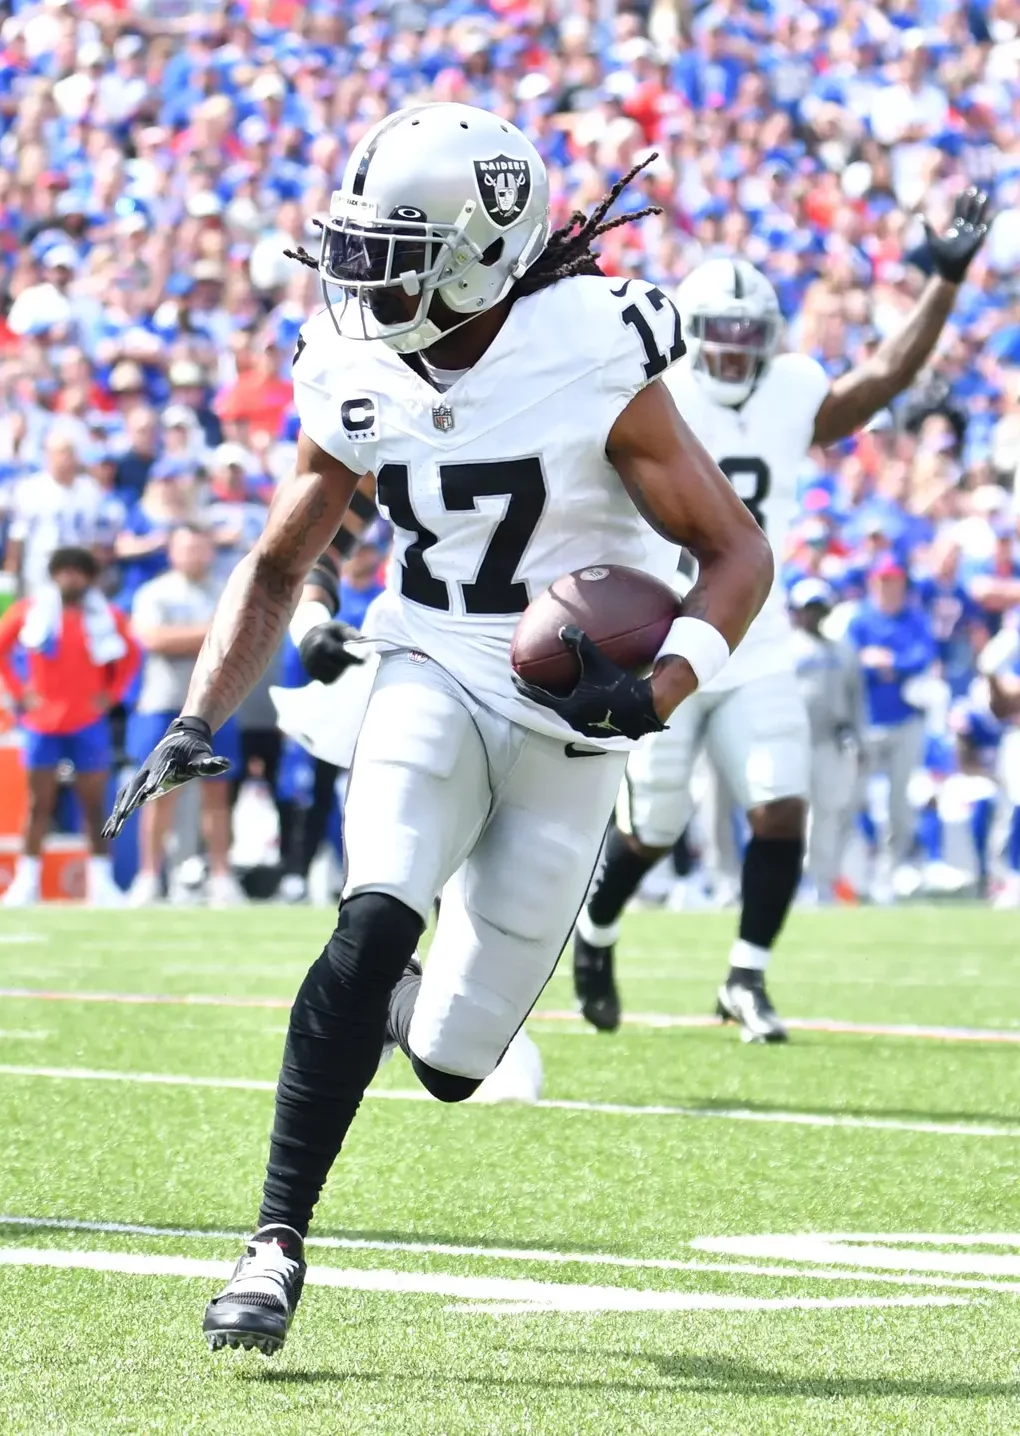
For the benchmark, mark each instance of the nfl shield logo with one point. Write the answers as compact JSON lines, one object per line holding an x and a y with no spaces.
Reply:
{"x":442,"y":417}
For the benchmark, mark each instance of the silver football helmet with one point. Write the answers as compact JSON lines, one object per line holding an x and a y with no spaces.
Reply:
{"x":436,"y":199}
{"x":731,"y":321}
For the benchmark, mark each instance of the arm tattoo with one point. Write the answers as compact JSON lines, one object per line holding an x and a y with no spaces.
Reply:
{"x":695,"y":604}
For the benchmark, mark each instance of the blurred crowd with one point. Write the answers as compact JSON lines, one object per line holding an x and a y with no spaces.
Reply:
{"x":157,"y":158}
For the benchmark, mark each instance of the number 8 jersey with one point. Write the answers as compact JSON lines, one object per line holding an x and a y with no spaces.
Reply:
{"x":760,"y":447}
{"x":500,"y":484}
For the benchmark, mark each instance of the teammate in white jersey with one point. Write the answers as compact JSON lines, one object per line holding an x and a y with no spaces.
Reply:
{"x":504,"y":394}
{"x":758,"y":413}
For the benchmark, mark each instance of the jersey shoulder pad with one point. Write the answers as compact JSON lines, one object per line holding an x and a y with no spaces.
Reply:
{"x":798,"y":380}
{"x":332,"y":392}
{"x":630,"y":328}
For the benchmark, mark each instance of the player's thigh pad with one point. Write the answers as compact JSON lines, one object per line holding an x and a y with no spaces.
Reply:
{"x":654,"y":803}
{"x":507,"y":913}
{"x":419,"y":791}
{"x":1009,"y":765}
{"x":760,"y":739}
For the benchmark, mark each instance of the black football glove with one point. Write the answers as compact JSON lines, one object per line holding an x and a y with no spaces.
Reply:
{"x":184,"y":752}
{"x":952,"y":251}
{"x":606,"y":702}
{"x":323,"y":653}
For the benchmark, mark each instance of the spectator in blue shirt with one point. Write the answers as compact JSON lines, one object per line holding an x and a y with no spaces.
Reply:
{"x":952,"y":614}
{"x":360,"y":579}
{"x":993,"y":583}
{"x":168,"y":500}
{"x":894,"y":640}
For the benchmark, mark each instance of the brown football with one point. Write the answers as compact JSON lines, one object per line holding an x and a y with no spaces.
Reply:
{"x":626,"y":612}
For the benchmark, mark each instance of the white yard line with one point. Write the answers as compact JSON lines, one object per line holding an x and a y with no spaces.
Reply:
{"x":668,"y":1020}
{"x":872,"y":1252}
{"x":611,"y":1109}
{"x":521,"y":1254}
{"x":505,"y":1294}
{"x":554,"y":1017}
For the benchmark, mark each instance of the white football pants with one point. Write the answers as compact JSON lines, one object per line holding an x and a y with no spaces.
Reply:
{"x":757,"y":736}
{"x":447,"y":796}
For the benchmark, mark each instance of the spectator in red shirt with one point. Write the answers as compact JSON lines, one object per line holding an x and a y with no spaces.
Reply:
{"x":77,"y":658}
{"x":255,"y":404}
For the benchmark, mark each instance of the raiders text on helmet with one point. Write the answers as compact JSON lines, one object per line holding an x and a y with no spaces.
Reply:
{"x":436,"y":199}
{"x":731,"y":322}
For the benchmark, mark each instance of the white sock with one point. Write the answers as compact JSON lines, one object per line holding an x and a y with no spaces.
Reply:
{"x":100,"y":865}
{"x":597,"y":936}
{"x":28,"y":869}
{"x":745,"y":954}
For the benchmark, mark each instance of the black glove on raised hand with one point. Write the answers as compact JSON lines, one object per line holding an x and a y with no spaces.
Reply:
{"x":184,"y":752}
{"x":952,"y":251}
{"x":323,"y":653}
{"x":606,"y":702}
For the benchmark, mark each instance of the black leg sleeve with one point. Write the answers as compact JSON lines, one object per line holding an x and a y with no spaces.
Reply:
{"x":618,"y":881}
{"x":334,"y":1042}
{"x":772,"y":868}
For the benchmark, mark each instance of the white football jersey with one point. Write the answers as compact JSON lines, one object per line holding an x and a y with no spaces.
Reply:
{"x":500,"y":485}
{"x":760,"y":447}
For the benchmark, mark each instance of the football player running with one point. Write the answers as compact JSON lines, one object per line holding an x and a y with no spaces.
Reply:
{"x":505,"y":396}
{"x":758,"y":413}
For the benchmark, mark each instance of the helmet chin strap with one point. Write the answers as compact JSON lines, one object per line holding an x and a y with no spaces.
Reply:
{"x":427,"y":333}
{"x":424,"y":335}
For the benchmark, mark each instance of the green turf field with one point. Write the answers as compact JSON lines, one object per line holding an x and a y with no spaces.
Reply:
{"x":693,"y":1236}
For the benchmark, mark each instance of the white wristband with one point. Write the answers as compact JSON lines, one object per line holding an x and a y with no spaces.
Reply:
{"x":308,"y":615}
{"x":703,"y":646}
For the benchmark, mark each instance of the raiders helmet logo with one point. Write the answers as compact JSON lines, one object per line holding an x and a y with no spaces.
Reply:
{"x":505,"y":187}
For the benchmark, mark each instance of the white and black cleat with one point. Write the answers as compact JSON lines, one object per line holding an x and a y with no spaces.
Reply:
{"x":255,"y":1308}
{"x":748,"y":1004}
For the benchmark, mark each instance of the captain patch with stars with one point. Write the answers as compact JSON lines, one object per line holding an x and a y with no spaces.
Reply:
{"x":359,"y":418}
{"x":504,"y":185}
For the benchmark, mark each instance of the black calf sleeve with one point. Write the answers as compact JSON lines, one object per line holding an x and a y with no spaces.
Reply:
{"x":622,"y":871}
{"x":444,"y":1086}
{"x":683,"y":858}
{"x":334,"y":1041}
{"x":772,"y":868}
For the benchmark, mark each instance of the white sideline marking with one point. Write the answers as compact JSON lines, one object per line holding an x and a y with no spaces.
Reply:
{"x":865,"y":1251}
{"x":24,"y":1034}
{"x":512,"y":1254}
{"x":632,"y":1019}
{"x":18,"y":939}
{"x":552,"y":1104}
{"x":512,"y":1294}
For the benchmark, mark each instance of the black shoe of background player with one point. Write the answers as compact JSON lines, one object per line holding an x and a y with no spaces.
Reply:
{"x":257,"y":1305}
{"x":744,"y":999}
{"x":594,"y":985}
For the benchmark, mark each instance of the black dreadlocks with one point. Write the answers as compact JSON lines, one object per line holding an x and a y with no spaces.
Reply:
{"x":568,"y":250}
{"x":302,"y":256}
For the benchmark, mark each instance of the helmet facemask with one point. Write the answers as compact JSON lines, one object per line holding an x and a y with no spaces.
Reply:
{"x":381,"y":265}
{"x":731,"y":351}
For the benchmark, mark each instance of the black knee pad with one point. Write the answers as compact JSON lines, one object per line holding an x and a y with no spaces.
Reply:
{"x":444,"y":1086}
{"x":374,"y":939}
